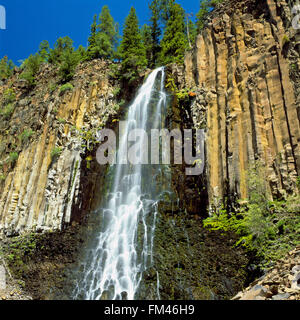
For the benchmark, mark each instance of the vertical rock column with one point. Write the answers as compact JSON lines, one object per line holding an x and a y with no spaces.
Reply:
{"x":251,"y":110}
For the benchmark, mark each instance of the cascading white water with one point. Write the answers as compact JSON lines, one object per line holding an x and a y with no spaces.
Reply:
{"x":115,"y":264}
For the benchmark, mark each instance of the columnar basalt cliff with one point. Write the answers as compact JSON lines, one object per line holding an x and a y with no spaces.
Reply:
{"x":246,"y":63}
{"x":54,"y":178}
{"x":240,"y":83}
{"x":244,"y":75}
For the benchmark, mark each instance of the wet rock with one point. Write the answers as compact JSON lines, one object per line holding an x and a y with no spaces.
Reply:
{"x":194,"y":263}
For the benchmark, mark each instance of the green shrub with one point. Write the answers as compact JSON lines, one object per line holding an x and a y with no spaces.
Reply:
{"x":56,"y":152}
{"x":285,"y":40}
{"x":181,"y":94}
{"x":293,"y":67}
{"x":268,"y":228}
{"x":9,"y":96}
{"x":116,"y":91}
{"x":52,"y":87}
{"x":66,"y":87}
{"x":7,"y":111}
{"x":31,"y":68}
{"x":119,"y":105}
{"x":13,"y":157}
{"x":26,"y":135}
{"x":62,"y":121}
{"x":298,"y":182}
{"x":270,"y":235}
{"x":18,"y":251}
{"x":114,"y":71}
{"x":88,"y":139}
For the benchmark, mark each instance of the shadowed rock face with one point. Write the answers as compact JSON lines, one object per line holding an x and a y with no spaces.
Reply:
{"x":246,"y":63}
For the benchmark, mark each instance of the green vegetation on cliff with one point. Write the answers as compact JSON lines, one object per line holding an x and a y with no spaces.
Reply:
{"x":268,"y":228}
{"x":31,"y":68}
{"x":6,"y":68}
{"x":8,"y":106}
{"x":170,"y":32}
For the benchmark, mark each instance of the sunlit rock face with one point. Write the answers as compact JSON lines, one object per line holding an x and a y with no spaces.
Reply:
{"x":242,"y":81}
{"x":246,"y":63}
{"x":51,"y":183}
{"x":243,"y":75}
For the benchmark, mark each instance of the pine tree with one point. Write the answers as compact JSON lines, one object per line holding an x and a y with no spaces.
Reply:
{"x":108,"y":27}
{"x":92,"y":47}
{"x":147,"y":42}
{"x":132,"y":50}
{"x":104,"y":46}
{"x":174,"y":42}
{"x":69,"y":61}
{"x":104,"y":36}
{"x":155,"y":31}
{"x":81,"y":53}
{"x":10,"y":66}
{"x":31,"y":69}
{"x":44,"y":50}
{"x":60,"y":46}
{"x":202,"y":14}
{"x":6,"y":68}
{"x":165,"y":9}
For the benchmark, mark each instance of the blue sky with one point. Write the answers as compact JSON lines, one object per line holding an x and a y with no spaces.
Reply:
{"x":28,"y":22}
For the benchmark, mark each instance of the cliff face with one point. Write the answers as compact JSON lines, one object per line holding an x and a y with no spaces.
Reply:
{"x":242,"y":80}
{"x":244,"y":72}
{"x":52,"y":182}
{"x":245,"y":69}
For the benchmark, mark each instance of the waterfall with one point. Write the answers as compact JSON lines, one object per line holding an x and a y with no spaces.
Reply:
{"x":123,"y":249}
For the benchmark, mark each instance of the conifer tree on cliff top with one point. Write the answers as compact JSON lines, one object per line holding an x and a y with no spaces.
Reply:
{"x":92,"y":48}
{"x":108,"y":28}
{"x":133,"y":52}
{"x":104,"y":37}
{"x":155,"y":8}
{"x":147,"y":42}
{"x":174,"y":42}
